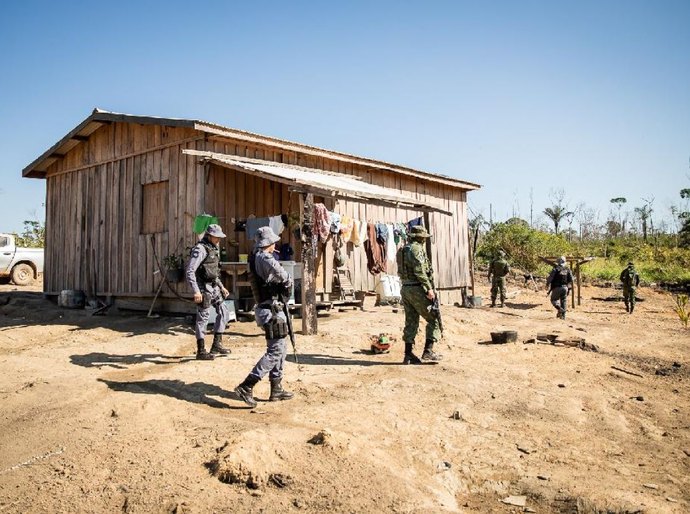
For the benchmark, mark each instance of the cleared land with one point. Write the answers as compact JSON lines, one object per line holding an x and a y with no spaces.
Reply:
{"x":112,"y":414}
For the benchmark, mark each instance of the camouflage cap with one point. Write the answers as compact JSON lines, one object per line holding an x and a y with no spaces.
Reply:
{"x":561,"y":260}
{"x":215,"y":230}
{"x":265,"y":237}
{"x":631,"y":263}
{"x":419,"y":231}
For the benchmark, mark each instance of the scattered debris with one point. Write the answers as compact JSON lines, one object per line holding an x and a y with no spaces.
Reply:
{"x":33,"y":459}
{"x":687,"y":452}
{"x":517,"y":501}
{"x":626,"y":371}
{"x":280,"y":480}
{"x":524,"y":448}
{"x":457,"y":415}
{"x":543,"y":477}
{"x":561,"y":385}
{"x":672,"y":500}
{"x":638,"y":398}
{"x":321,"y":438}
{"x":443,"y":466}
{"x":114,"y":413}
{"x":651,"y":486}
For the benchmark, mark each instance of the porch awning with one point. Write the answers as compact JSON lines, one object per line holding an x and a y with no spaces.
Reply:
{"x":319,"y":182}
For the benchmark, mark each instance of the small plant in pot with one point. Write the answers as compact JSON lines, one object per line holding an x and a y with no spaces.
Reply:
{"x":174,"y":267}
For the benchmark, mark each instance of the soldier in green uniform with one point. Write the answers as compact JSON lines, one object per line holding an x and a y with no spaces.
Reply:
{"x":417,"y":293}
{"x":631,"y":280}
{"x":498,"y":269}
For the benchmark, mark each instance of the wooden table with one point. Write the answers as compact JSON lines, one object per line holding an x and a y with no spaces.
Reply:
{"x":235,"y":270}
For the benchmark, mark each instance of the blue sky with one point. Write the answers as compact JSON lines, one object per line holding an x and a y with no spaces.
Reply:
{"x":523,"y":97}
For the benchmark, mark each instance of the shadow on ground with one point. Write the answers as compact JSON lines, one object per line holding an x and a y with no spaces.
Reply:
{"x":98,"y":359}
{"x":196,"y":392}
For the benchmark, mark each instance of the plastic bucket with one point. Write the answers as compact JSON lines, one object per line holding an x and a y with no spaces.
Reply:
{"x":243,"y":257}
{"x":474,"y":301}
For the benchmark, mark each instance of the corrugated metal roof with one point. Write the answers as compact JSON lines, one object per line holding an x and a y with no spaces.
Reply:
{"x":99,"y":117}
{"x":317,"y":181}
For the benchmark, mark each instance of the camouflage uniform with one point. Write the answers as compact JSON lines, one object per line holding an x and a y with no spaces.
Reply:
{"x":498,"y":269}
{"x":630,"y":280}
{"x":417,"y":279}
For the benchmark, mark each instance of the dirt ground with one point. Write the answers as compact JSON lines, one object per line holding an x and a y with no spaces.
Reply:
{"x":112,"y":414}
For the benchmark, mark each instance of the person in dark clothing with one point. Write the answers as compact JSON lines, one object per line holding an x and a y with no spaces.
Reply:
{"x":559,"y":282}
{"x":498,"y":269}
{"x":271,"y":286}
{"x":630,"y":279}
{"x":203,"y":276}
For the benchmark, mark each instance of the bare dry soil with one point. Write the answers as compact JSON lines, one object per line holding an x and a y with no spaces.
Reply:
{"x":112,"y":414}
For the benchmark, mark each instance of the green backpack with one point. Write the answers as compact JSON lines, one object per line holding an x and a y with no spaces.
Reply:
{"x":629,"y":277}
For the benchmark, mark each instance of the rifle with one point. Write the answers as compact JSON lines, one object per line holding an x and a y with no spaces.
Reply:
{"x":436,"y":308}
{"x":288,"y":320}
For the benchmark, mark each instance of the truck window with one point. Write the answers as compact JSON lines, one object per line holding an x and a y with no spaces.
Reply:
{"x":4,"y":241}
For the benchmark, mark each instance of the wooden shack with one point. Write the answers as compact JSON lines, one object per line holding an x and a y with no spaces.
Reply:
{"x":123,"y":191}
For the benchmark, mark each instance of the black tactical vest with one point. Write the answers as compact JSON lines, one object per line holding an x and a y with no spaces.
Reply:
{"x":209,"y":270}
{"x":560,"y":278}
{"x":262,"y":291}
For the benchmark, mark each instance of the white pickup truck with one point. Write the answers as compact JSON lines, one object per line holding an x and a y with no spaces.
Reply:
{"x":22,"y":265}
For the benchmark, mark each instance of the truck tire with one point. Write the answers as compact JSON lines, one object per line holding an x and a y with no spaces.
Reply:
{"x":22,"y":274}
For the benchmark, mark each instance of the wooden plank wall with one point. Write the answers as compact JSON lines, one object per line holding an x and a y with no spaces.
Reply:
{"x":94,"y":210}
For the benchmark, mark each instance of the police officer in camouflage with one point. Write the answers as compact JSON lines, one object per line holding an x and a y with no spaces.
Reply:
{"x":559,"y":282}
{"x":630,"y":279}
{"x":203,"y":276}
{"x":498,"y":269}
{"x":271,"y":286}
{"x":417,"y":293}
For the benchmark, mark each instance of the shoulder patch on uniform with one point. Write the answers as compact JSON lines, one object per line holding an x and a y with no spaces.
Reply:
{"x":195,"y":252}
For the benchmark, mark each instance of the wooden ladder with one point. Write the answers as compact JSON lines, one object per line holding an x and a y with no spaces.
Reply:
{"x":347,"y":291}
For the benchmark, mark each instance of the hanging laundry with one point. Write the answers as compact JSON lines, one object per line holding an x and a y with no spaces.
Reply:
{"x":391,"y":248}
{"x":362,"y":232}
{"x":376,"y":253}
{"x":355,"y":237}
{"x":400,"y":233}
{"x":346,"y":227}
{"x":276,"y":224}
{"x":254,"y":224}
{"x":202,"y":221}
{"x":334,"y":222}
{"x":381,"y":233}
{"x":415,"y":222}
{"x":322,"y":222}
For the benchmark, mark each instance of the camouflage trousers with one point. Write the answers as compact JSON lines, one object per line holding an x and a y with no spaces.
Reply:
{"x":416,"y":304}
{"x":629,"y":296}
{"x":498,"y":285}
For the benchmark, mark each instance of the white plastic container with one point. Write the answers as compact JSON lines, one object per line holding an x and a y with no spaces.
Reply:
{"x":388,"y":288}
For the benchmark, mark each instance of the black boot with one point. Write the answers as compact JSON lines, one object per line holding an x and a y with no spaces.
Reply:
{"x":245,"y":390}
{"x":429,"y":354}
{"x":493,"y":302}
{"x":217,"y":346}
{"x":277,"y":391}
{"x":201,"y":353}
{"x":627,"y":307}
{"x":632,"y":307}
{"x":410,"y":358}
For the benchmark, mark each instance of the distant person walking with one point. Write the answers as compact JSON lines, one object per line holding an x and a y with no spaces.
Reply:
{"x":417,"y":294}
{"x":271,"y":286}
{"x":203,"y":276}
{"x":559,"y":282}
{"x":498,"y":269}
{"x":630,"y":279}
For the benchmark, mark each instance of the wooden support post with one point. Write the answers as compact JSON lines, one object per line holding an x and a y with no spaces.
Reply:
{"x":579,"y":293}
{"x":309,"y":319}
